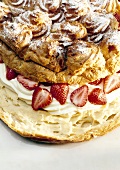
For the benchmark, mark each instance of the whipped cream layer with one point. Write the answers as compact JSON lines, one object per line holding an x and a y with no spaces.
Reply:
{"x":55,"y":107}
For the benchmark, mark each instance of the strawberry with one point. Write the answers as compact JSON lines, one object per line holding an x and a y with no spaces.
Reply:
{"x":10,"y":74}
{"x":41,"y":98}
{"x":97,"y":97}
{"x":60,"y":92}
{"x":111,"y":83}
{"x":96,"y":82}
{"x":28,"y":84}
{"x":79,"y":96}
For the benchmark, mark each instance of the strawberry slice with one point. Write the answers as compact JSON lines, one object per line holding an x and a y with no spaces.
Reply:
{"x":10,"y":74}
{"x":60,"y":92}
{"x":96,"y":82}
{"x":28,"y":84}
{"x":41,"y":98}
{"x":111,"y":83}
{"x":97,"y":97}
{"x":79,"y":96}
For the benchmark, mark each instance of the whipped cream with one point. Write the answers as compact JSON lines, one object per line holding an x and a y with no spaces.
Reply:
{"x":55,"y":107}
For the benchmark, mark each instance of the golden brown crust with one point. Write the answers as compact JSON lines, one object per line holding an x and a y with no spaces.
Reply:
{"x":96,"y":132}
{"x":17,"y":35}
{"x":63,"y":42}
{"x":47,"y":53}
{"x":50,"y":51}
{"x":110,"y":47}
{"x":5,"y":13}
{"x":41,"y":74}
{"x":42,"y":126}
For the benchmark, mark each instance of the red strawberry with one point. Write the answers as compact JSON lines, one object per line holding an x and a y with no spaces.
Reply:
{"x":111,"y":83}
{"x":97,"y":97}
{"x":41,"y":98}
{"x":96,"y":82}
{"x":79,"y":96}
{"x":60,"y":92}
{"x":10,"y":74}
{"x":28,"y":84}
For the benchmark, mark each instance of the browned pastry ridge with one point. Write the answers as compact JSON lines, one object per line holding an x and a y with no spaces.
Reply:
{"x":45,"y":51}
{"x":59,"y":41}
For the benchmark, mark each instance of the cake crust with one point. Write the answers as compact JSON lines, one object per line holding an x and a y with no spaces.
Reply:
{"x":60,"y":41}
{"x":41,"y":126}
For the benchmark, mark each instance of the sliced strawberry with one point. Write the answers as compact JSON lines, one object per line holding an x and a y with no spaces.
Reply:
{"x":28,"y":84}
{"x":79,"y":96}
{"x":111,"y":83}
{"x":96,"y":82}
{"x":97,"y":97}
{"x":60,"y":92}
{"x":41,"y":98}
{"x":10,"y":74}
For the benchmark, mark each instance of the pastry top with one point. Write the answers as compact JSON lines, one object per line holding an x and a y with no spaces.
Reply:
{"x":106,"y":5}
{"x":5,"y":13}
{"x":63,"y":40}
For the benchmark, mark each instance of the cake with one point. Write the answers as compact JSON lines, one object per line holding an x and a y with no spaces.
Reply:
{"x":60,"y":68}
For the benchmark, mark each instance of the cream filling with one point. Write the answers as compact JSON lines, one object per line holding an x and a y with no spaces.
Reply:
{"x":55,"y":107}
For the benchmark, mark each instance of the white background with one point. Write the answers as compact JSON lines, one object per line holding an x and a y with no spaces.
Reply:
{"x":17,"y":153}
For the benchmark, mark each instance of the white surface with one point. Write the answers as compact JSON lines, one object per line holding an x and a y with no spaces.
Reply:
{"x":17,"y":153}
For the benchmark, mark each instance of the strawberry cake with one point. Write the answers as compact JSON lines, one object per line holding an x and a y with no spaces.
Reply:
{"x":60,"y":68}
